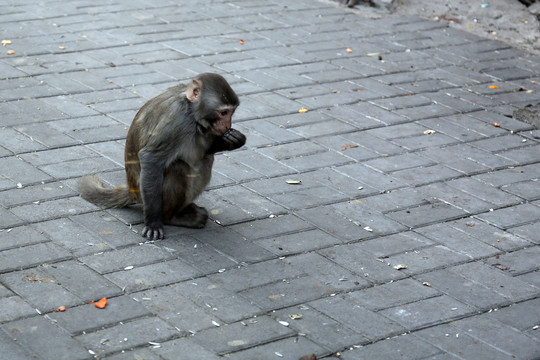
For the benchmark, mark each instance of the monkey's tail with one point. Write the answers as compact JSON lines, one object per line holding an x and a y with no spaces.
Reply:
{"x":91,"y":189}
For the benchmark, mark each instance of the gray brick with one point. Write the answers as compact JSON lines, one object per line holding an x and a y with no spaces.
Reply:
{"x":426,"y":214}
{"x":425,"y":175}
{"x":153,"y":275}
{"x":500,"y":336}
{"x":458,"y":241}
{"x":529,"y":232}
{"x":32,"y":255}
{"x":496,"y":280}
{"x":87,"y":318}
{"x":20,"y":236}
{"x":385,"y":246}
{"x":308,"y":197}
{"x":41,"y":192}
{"x":21,"y":172}
{"x":362,"y":264}
{"x":189,"y":349}
{"x":426,"y":259}
{"x":316,"y":161}
{"x":68,"y":273}
{"x":364,"y":216}
{"x":432,"y":311}
{"x":116,"y":338}
{"x":527,"y":190}
{"x":320,"y":328}
{"x":517,"y":262}
{"x":250,"y":202}
{"x":298,"y":242}
{"x":241,"y":336}
{"x":271,"y":227}
{"x":512,"y":216}
{"x":390,"y":164}
{"x":465,"y":290}
{"x":394,"y":348}
{"x":489,"y":234}
{"x":12,"y":350}
{"x":39,"y":289}
{"x":290,"y":348}
{"x":375,"y":327}
{"x":52,"y":343}
{"x":455,"y":197}
{"x":484,"y":191}
{"x":392,"y":294}
{"x":522,"y":316}
{"x":371,"y":177}
{"x":456,"y":341}
{"x":52,"y":209}
{"x":119,"y":259}
{"x":14,"y":307}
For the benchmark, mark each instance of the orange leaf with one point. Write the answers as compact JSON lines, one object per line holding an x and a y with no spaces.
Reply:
{"x":496,"y":124}
{"x":61,"y":309}
{"x":302,"y":110}
{"x":493,"y":87}
{"x":101,"y":303}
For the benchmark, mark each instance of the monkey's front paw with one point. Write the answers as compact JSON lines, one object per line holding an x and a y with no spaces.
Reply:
{"x":234,"y":138}
{"x":153,"y":231}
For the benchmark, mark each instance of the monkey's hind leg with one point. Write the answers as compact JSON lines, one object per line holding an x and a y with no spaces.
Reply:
{"x":192,"y":216}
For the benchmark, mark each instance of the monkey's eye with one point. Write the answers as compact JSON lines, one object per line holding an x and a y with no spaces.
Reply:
{"x":223,"y":112}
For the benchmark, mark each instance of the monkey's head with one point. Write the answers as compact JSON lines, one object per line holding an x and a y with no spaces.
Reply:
{"x":213,"y":101}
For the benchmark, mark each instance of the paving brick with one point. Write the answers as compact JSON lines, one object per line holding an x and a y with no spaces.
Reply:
{"x":484,"y":191}
{"x":14,"y":307}
{"x":149,"y":276}
{"x":290,"y":348}
{"x":496,"y":280}
{"x":426,"y":259}
{"x":298,"y":242}
{"x":529,"y":232}
{"x":465,"y":290}
{"x":375,"y":221}
{"x":385,"y":246}
{"x":87,"y":318}
{"x":517,"y":262}
{"x":394,"y":348}
{"x":320,"y":328}
{"x":349,"y":312}
{"x":12,"y":350}
{"x":422,"y":215}
{"x":20,"y":236}
{"x":425,"y":175}
{"x":512,"y":216}
{"x":21,"y":172}
{"x":271,"y":227}
{"x":527,"y":190}
{"x":456,"y":341}
{"x":222,"y":342}
{"x":52,"y":342}
{"x":500,"y":336}
{"x":118,"y":337}
{"x":119,"y":259}
{"x":32,"y":255}
{"x":523,"y":316}
{"x":189,"y":349}
{"x":458,"y":241}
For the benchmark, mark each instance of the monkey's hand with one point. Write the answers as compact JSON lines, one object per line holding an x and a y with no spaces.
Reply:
{"x":153,"y":231}
{"x":232,"y":139}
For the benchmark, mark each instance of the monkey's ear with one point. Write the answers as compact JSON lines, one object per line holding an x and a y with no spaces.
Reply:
{"x":194,"y":90}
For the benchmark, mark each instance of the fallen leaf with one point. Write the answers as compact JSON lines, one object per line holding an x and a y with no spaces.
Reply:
{"x":6,"y":42}
{"x":62,"y":47}
{"x":374,"y":54}
{"x":429,"y":132}
{"x":470,"y":224}
{"x":295,"y":316}
{"x":425,"y":283}
{"x":358,"y":89}
{"x":493,"y":87}
{"x":400,"y":267}
{"x":496,"y":124}
{"x":10,"y":52}
{"x":303,"y":110}
{"x":348,"y":146}
{"x":275,"y":297}
{"x":35,"y":278}
{"x":241,"y":42}
{"x":349,"y":50}
{"x":61,"y":309}
{"x":101,"y":303}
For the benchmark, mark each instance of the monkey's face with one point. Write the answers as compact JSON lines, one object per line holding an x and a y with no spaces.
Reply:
{"x":223,"y":120}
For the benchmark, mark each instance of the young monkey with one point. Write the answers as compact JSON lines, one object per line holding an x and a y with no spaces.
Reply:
{"x":169,"y":154}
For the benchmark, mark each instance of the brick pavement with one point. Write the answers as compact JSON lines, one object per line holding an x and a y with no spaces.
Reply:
{"x":458,"y":208}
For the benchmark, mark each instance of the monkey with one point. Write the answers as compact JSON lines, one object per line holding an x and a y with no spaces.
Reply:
{"x":169,"y":154}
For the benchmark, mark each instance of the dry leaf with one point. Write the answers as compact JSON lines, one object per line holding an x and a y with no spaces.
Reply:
{"x":400,"y":267}
{"x":6,"y":42}
{"x":429,"y":132}
{"x":349,"y":50}
{"x":10,"y":52}
{"x":496,"y":124}
{"x":295,"y":316}
{"x":493,"y":87}
{"x":241,"y":42}
{"x":348,"y":146}
{"x":303,"y":110}
{"x":35,"y":278}
{"x":61,"y":309}
{"x":425,"y":283}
